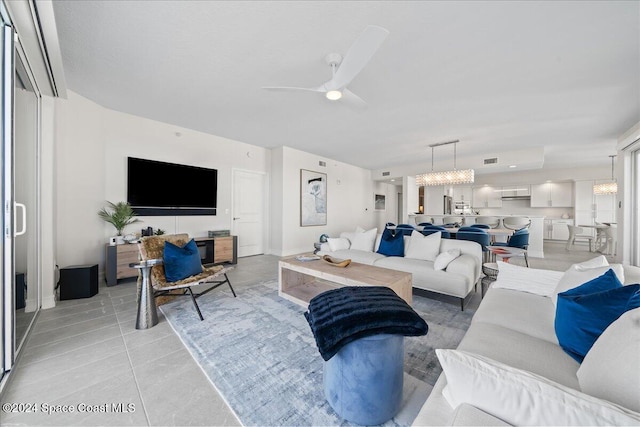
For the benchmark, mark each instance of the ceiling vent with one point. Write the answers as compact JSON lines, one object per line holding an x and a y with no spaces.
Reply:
{"x":386,"y":173}
{"x":321,"y":163}
{"x":492,"y":161}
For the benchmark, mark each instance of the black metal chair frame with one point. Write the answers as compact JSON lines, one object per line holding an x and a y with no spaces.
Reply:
{"x":187,"y":291}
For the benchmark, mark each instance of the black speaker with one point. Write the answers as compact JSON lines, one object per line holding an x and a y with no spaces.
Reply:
{"x":78,"y":281}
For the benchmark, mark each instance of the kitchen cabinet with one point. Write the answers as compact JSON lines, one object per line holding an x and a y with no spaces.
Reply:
{"x":557,"y":229}
{"x":462,"y":193}
{"x":552,"y":194}
{"x":591,"y":208}
{"x":487,"y":197}
{"x":516,"y":190}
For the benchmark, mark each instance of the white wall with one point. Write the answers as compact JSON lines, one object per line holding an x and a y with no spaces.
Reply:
{"x":92,"y":145}
{"x":349,"y":199}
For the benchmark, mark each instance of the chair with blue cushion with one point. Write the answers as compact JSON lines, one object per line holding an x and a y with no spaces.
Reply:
{"x":519,"y":239}
{"x":389,"y":224}
{"x":430,"y":229}
{"x":468,"y":228}
{"x":405,"y":229}
{"x":181,"y":265}
{"x":424,"y":224}
{"x":480,"y":236}
{"x":483,"y":226}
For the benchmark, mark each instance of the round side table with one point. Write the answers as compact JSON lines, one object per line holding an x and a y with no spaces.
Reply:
{"x":490,"y":270}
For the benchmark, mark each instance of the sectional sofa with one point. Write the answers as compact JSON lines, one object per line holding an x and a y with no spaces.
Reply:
{"x":446,"y":266}
{"x":510,"y":369}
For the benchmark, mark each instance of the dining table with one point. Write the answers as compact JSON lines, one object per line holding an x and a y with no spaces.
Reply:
{"x":493,"y":232}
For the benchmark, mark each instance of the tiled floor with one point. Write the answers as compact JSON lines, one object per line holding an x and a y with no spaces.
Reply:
{"x":88,"y":351}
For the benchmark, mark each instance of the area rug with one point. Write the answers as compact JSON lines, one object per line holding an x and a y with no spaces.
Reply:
{"x":259,"y":352}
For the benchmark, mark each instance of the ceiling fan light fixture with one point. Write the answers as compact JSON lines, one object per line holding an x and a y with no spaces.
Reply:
{"x":333,"y":95}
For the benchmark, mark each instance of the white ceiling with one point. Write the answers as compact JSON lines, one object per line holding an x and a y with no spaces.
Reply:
{"x":559,"y":78}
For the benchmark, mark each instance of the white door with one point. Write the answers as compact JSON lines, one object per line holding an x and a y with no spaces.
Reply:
{"x":249,"y":207}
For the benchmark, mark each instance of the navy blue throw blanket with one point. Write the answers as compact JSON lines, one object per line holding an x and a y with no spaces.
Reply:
{"x":340,"y":316}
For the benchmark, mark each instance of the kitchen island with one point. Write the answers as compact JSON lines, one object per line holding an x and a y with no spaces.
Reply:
{"x":536,"y":229}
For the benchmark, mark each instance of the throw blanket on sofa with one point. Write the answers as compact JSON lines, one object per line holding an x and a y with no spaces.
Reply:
{"x":340,"y":316}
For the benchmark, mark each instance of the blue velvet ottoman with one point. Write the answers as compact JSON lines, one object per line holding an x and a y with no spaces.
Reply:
{"x":363,"y":381}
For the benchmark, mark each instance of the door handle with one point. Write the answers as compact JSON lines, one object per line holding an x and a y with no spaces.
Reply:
{"x":24,"y":218}
{"x":234,"y":218}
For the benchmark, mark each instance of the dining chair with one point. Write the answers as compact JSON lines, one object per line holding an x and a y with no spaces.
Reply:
{"x":491,"y":221}
{"x":405,"y":229}
{"x":520,"y":240}
{"x":576,"y":233}
{"x":516,"y":222}
{"x":481,"y":237}
{"x":430,"y":229}
{"x":483,"y":226}
{"x":453,"y":219}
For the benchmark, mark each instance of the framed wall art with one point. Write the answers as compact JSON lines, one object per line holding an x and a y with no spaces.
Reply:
{"x":313,"y":198}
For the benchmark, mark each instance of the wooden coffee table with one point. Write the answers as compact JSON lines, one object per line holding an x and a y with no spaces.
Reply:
{"x":299,"y":281}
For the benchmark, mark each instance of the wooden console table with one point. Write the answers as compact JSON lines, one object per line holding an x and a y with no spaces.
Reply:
{"x":213,"y":250}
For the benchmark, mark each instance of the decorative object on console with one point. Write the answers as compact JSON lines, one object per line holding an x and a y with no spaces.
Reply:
{"x":609,"y":187}
{"x":336,"y":261}
{"x":219,"y":233}
{"x":447,"y":177}
{"x":313,"y":198}
{"x":119,"y":215}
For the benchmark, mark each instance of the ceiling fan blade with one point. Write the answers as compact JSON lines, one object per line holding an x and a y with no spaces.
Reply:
{"x":352,"y":100}
{"x":290,"y":88}
{"x":359,"y":55}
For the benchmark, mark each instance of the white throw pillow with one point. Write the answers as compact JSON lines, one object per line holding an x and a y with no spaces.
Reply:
{"x":520,"y":397}
{"x":599,"y":261}
{"x":424,"y":247}
{"x":443,"y":259}
{"x":572,"y":278}
{"x":534,"y":281}
{"x":338,"y":243}
{"x":611,"y":370}
{"x":364,"y":241}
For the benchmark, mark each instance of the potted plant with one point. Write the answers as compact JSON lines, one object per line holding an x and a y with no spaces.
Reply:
{"x":119,"y":215}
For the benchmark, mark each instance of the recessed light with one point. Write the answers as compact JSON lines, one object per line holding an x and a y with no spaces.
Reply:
{"x":512,"y":166}
{"x":393,"y":180}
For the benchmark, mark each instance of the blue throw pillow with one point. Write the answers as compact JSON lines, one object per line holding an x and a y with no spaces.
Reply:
{"x":390,"y":244}
{"x":181,"y":262}
{"x":583,"y":313}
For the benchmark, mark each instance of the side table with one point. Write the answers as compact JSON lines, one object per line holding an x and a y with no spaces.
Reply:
{"x":147,"y":313}
{"x":490,"y":270}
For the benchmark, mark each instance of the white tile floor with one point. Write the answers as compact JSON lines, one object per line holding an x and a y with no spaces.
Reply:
{"x":88,"y":351}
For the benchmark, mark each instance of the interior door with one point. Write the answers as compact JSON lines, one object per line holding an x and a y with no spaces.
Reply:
{"x":249,"y":207}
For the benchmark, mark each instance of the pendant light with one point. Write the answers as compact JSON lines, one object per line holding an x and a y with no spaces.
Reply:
{"x":609,"y":187}
{"x":450,"y":177}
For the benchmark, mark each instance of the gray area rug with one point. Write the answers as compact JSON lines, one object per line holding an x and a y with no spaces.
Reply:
{"x":259,"y":352}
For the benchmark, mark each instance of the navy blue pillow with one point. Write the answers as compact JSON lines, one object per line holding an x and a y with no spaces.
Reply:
{"x":583,"y":313}
{"x":390,"y":244}
{"x":181,"y":262}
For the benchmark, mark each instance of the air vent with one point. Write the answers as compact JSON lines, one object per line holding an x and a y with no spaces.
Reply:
{"x":386,"y":173}
{"x":491,"y":161}
{"x":323,"y":164}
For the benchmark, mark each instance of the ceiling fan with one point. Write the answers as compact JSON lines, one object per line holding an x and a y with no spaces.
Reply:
{"x":344,"y":70}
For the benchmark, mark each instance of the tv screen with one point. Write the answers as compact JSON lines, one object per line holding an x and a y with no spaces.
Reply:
{"x":161,"y":188}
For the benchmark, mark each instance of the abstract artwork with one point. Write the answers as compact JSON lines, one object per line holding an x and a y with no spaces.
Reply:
{"x":313,"y":198}
{"x":379,"y":202}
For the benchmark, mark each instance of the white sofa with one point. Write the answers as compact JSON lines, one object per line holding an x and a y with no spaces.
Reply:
{"x":509,"y":369}
{"x":457,"y":279}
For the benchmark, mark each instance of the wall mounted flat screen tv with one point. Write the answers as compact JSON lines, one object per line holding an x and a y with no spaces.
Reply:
{"x":161,"y":188}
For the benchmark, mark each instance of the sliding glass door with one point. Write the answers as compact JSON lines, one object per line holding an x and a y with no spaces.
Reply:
{"x":20,"y":123}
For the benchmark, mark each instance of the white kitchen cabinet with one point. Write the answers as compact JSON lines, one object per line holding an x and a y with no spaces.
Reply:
{"x":462,"y":193}
{"x":591,"y":208}
{"x":516,"y":190}
{"x":552,"y":194}
{"x":487,"y":197}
